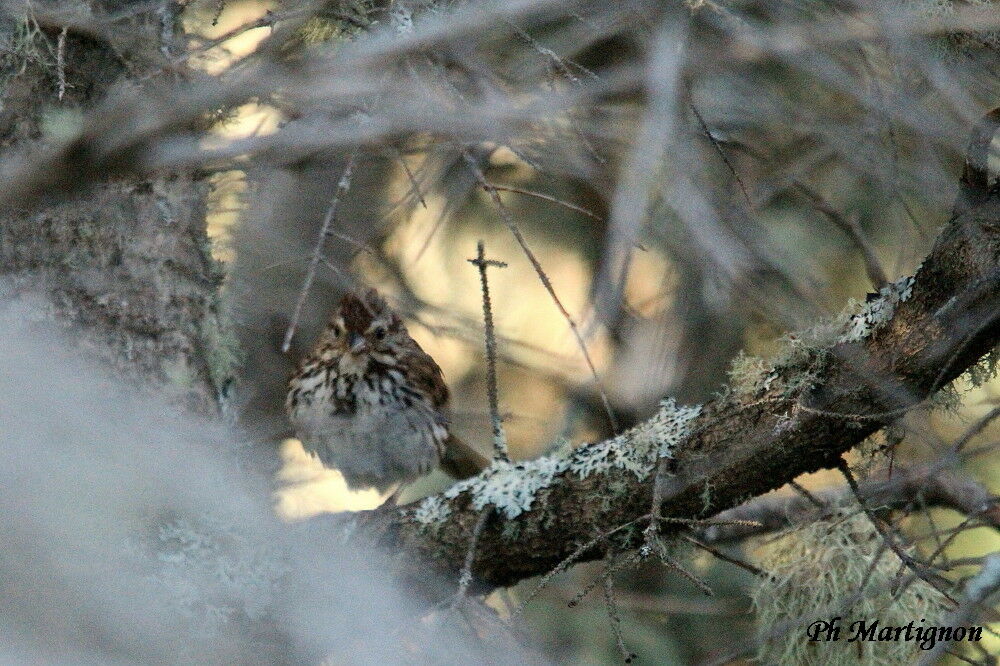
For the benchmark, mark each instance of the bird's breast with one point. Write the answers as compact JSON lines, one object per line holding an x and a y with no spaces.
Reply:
{"x":321,"y":391}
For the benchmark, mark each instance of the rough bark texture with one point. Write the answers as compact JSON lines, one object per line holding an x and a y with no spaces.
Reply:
{"x":743,"y":446}
{"x":128,"y":266}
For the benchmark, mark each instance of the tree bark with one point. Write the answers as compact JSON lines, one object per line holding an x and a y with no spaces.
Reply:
{"x":127,"y":265}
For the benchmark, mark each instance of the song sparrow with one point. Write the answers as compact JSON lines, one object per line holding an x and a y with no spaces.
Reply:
{"x":370,"y":402}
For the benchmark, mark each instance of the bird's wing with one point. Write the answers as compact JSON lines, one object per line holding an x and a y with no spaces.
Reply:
{"x":426,"y":376}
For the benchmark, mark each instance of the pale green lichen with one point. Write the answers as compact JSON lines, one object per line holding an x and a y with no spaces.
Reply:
{"x":637,"y":449}
{"x":431,"y":510}
{"x":802,"y":354}
{"x":211,"y":569}
{"x":812,"y":569}
{"x":875,"y":312}
{"x":512,"y":487}
{"x":706,"y":497}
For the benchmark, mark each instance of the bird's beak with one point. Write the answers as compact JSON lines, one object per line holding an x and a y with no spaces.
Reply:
{"x":358,"y":342}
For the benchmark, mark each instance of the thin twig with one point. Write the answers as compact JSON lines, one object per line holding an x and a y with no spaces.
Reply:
{"x":564,"y":65}
{"x":410,"y":176}
{"x":852,"y":228}
{"x":499,"y":437}
{"x":975,"y":429}
{"x":616,"y":619}
{"x":718,"y":149}
{"x":569,"y":560}
{"x":508,"y":220}
{"x":61,"y":62}
{"x":815,"y":501}
{"x":465,"y":579}
{"x":343,"y":185}
{"x":610,"y":569}
{"x":545,"y":197}
{"x":756,"y":571}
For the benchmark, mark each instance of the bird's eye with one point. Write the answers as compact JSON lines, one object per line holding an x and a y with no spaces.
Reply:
{"x":379,"y":332}
{"x":336,"y":331}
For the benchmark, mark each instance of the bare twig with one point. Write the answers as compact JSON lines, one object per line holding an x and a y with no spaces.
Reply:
{"x":508,"y":220}
{"x":852,"y":228}
{"x":722,"y":154}
{"x":545,"y":197}
{"x":805,"y":493}
{"x":465,"y":579}
{"x":564,"y":65}
{"x":715,"y":552}
{"x":414,"y":185}
{"x":499,"y":437}
{"x":343,"y":185}
{"x":975,"y":429}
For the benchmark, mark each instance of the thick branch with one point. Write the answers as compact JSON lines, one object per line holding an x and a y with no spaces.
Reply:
{"x":740,"y":446}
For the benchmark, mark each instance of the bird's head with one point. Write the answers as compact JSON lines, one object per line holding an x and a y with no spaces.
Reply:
{"x":366,"y":327}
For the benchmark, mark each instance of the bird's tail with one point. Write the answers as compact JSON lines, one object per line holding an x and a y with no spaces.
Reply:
{"x":461,"y":460}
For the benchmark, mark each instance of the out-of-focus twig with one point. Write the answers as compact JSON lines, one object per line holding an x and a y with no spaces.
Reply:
{"x":465,"y":578}
{"x":977,"y":591}
{"x":545,"y":197}
{"x":343,"y":185}
{"x":852,"y":228}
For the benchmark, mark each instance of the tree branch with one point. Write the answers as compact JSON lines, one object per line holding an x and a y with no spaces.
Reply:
{"x":908,"y":485}
{"x":801,"y":417}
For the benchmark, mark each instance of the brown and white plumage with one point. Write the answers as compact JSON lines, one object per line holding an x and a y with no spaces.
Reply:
{"x":370,"y":402}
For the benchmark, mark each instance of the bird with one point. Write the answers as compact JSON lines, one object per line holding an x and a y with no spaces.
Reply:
{"x":369,"y":401}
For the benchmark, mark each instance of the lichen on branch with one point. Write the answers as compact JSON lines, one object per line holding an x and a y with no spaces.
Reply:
{"x":511,"y":487}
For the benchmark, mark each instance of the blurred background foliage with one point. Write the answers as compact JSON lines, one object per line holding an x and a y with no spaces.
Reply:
{"x":697,"y":179}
